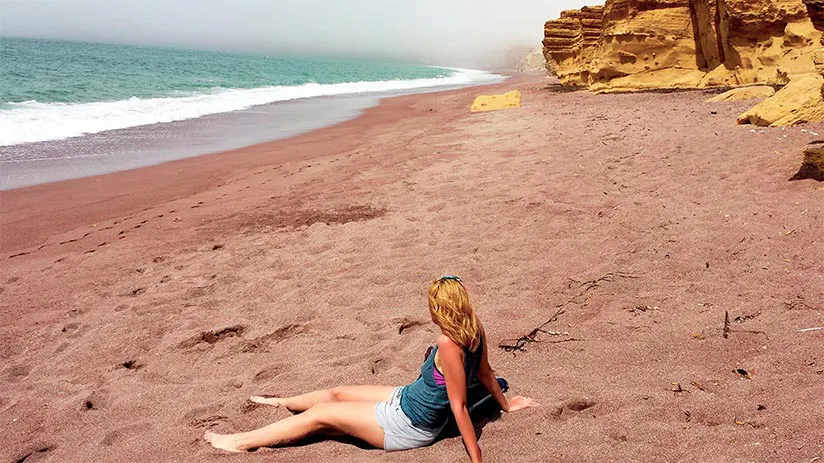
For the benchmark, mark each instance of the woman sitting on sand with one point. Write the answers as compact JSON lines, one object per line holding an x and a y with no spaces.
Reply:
{"x":396,"y":418}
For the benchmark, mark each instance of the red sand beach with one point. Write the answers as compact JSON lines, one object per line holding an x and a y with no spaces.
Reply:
{"x":141,"y":308}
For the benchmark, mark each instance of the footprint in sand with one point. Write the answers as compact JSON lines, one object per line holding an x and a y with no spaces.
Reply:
{"x":377,"y":366}
{"x":121,"y":434}
{"x":16,"y":373}
{"x":36,"y":453}
{"x":231,"y":386}
{"x":137,"y":292}
{"x":579,"y":404}
{"x":132,"y":365}
{"x":261,"y":343}
{"x":209,"y":421}
{"x":72,"y":330}
{"x":406,"y":323}
{"x":213,"y":336}
{"x":95,"y":401}
{"x":204,"y":417}
{"x":267,"y":374}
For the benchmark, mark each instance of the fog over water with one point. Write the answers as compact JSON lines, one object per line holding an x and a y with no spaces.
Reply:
{"x":470,"y":33}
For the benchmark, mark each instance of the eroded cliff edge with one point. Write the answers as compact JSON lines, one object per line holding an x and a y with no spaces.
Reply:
{"x":629,"y":45}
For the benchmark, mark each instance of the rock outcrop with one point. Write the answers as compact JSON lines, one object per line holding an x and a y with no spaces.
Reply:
{"x":813,"y":165}
{"x":569,"y":42}
{"x":754,"y":92}
{"x":528,"y":60}
{"x":799,"y":101}
{"x":485,"y":103}
{"x":815,"y":9}
{"x":645,"y":44}
{"x":653,"y":44}
{"x":533,"y":61}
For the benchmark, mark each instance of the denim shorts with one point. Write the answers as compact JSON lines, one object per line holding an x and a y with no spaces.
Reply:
{"x":400,"y":433}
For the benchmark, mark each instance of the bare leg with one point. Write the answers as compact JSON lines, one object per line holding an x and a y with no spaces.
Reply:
{"x":356,"y":419}
{"x":304,"y":402}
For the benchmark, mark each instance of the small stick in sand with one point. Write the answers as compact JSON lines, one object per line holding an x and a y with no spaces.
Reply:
{"x":806,"y":330}
{"x":726,"y":324}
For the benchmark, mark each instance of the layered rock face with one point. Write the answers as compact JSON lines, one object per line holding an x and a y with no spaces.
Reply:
{"x":646,"y":44}
{"x":569,"y":42}
{"x":815,"y":9}
{"x":756,"y":41}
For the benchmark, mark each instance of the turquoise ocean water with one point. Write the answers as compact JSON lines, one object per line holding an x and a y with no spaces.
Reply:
{"x":54,"y":90}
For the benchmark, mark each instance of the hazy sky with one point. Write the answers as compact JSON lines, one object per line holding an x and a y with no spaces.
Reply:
{"x":457,"y":32}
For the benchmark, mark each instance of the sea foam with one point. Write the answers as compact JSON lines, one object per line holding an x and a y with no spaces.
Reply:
{"x":31,"y":121}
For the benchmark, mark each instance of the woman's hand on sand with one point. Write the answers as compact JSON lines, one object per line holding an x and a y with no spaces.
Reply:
{"x":519,"y":403}
{"x":273,"y":401}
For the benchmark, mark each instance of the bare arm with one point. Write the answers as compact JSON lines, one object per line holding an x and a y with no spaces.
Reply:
{"x":486,"y":375}
{"x":451,"y":356}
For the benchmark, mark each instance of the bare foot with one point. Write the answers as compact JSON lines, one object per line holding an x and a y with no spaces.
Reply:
{"x":274,"y":401}
{"x":225,"y":442}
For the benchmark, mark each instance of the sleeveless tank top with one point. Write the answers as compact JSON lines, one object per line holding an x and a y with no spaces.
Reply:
{"x":425,"y":402}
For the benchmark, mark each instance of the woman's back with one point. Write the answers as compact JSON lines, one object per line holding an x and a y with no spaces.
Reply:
{"x":426,"y":401}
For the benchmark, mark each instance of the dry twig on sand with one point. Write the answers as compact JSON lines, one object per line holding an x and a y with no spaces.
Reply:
{"x":806,"y":330}
{"x":513,"y":345}
{"x":798,"y":304}
{"x":726,"y":324}
{"x":727,"y":330}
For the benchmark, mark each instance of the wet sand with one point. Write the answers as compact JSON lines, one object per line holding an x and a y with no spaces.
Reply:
{"x":139,"y":309}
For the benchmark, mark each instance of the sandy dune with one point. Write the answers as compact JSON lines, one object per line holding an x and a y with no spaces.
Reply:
{"x":140,"y":309}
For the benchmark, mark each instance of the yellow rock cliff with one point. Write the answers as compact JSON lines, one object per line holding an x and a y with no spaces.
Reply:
{"x":653,"y":44}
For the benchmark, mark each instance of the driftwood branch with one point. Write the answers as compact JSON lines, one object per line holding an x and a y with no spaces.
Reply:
{"x":518,"y":345}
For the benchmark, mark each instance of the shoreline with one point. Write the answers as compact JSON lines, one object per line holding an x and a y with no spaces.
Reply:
{"x":142,"y":145}
{"x":30,"y":214}
{"x":132,"y":148}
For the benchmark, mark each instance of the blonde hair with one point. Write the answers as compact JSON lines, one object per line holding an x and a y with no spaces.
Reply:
{"x":451,"y":311}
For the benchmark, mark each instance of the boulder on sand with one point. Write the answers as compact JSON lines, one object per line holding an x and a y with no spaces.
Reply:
{"x":813,"y":166}
{"x":758,"y":92}
{"x":798,"y":102}
{"x":495,"y":102}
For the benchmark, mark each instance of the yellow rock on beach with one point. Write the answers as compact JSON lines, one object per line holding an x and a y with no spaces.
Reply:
{"x":758,"y":92}
{"x":798,"y":102}
{"x":495,"y":102}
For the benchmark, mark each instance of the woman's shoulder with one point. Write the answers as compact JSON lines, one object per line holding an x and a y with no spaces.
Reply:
{"x":446,"y":344}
